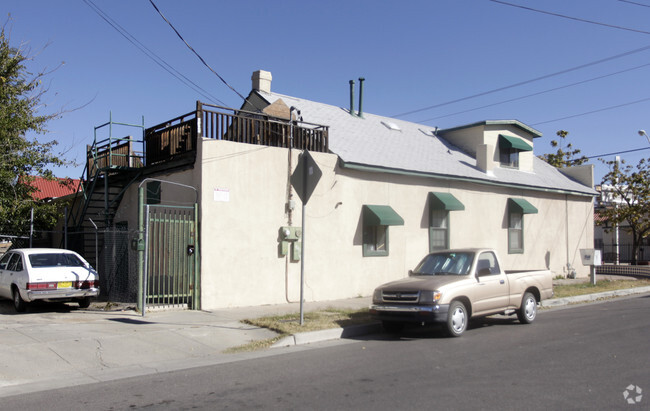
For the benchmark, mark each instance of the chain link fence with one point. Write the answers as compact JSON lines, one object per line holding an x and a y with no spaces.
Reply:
{"x":108,"y":251}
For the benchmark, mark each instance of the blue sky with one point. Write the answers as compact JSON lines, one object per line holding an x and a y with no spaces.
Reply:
{"x":413,"y":55}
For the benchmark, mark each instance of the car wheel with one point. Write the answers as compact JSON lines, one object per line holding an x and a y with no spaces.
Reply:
{"x":528,"y":310}
{"x":19,"y":304}
{"x":392,"y":327}
{"x":456,"y":320}
{"x":84,"y":302}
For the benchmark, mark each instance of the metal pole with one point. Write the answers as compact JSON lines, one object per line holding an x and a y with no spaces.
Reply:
{"x":302,"y":267}
{"x":302,"y":247}
{"x":31,"y":228}
{"x":140,"y":245}
{"x":65,"y":228}
{"x":146,"y":261}
{"x":96,"y":246}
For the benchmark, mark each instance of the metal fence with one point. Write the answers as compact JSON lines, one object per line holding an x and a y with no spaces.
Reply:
{"x":108,"y":251}
{"x":608,"y":253}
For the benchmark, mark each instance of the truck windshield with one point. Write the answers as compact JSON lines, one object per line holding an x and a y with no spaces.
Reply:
{"x":445,"y":263}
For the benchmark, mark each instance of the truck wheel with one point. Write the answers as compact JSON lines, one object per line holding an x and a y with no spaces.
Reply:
{"x":392,"y":327}
{"x":528,"y":310}
{"x":84,"y":302}
{"x":19,"y":304}
{"x":456,"y":320}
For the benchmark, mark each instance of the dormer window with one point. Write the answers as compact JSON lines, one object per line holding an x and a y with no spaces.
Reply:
{"x":509,"y":149}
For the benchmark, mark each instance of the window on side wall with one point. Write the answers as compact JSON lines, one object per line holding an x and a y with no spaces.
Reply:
{"x":376,"y":222}
{"x":440,"y":205}
{"x":375,"y":240}
{"x":153,"y":192}
{"x":515,"y":232}
{"x":439,"y":230}
{"x":517,"y":207}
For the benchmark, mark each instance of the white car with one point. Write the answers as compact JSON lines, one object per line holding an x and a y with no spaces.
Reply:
{"x":49,"y":274}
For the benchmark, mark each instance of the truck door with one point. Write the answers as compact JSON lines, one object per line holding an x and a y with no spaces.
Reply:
{"x":492,"y":289}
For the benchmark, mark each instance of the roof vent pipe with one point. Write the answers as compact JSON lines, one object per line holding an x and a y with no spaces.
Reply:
{"x":361,"y":80}
{"x":352,"y":113}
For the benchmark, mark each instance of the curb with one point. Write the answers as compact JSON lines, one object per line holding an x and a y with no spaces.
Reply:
{"x":310,"y":337}
{"x":557,"y":302}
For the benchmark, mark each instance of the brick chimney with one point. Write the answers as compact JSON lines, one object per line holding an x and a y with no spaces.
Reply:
{"x":262,"y":81}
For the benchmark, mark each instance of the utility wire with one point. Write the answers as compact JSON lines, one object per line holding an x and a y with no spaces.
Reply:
{"x":155,"y":58}
{"x":521,"y":83}
{"x":534,"y":94}
{"x":198,"y":55}
{"x":619,"y":152}
{"x":635,"y":3}
{"x":571,"y":18}
{"x":593,"y":111}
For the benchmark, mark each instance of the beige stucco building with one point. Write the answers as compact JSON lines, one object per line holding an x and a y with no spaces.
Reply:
{"x":390,"y":192}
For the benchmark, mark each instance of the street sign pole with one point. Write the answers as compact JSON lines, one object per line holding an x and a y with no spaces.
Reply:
{"x":304,"y":180}
{"x":302,"y":265}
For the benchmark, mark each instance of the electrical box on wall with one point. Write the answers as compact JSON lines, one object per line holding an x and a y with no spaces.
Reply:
{"x":137,"y":244}
{"x":289,"y":238}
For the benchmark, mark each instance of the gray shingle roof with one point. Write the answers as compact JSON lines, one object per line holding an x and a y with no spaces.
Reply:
{"x":368,"y":141}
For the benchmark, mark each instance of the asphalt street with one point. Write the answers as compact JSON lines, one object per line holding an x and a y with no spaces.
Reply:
{"x":591,"y":356}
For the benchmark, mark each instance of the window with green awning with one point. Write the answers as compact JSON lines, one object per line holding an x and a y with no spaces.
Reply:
{"x":381,"y":215}
{"x":517,"y":143}
{"x":445,"y":201}
{"x":522,"y":206}
{"x":517,"y":208}
{"x":376,"y":221}
{"x":440,"y":204}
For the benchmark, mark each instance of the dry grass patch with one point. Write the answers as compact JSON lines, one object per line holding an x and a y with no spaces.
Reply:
{"x":289,"y":324}
{"x":572,"y":290}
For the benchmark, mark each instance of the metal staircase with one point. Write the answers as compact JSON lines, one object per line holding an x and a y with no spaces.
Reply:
{"x":112,"y":165}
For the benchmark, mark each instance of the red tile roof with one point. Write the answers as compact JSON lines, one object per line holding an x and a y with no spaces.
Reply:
{"x":54,"y":188}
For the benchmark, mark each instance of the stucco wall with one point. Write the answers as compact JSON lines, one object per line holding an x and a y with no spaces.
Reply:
{"x":243,"y":205}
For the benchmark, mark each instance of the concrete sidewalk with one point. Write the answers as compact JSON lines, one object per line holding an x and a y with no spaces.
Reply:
{"x":55,"y":346}
{"x":58,"y":345}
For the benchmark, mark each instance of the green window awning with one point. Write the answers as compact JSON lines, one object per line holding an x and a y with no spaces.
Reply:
{"x":513,"y":142}
{"x":381,"y":215}
{"x":522,"y":206}
{"x":444,"y":201}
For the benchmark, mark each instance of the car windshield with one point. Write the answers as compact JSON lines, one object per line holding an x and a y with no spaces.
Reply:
{"x":445,"y":263}
{"x":55,"y":260}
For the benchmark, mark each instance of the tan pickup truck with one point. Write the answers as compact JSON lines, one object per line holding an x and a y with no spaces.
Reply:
{"x":452,"y":286}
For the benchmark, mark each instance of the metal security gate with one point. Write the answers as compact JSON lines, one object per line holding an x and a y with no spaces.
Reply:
{"x":171,"y":275}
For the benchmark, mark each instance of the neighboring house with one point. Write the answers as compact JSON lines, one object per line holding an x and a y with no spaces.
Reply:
{"x":47,"y":190}
{"x":390,"y":192}
{"x":611,"y":240}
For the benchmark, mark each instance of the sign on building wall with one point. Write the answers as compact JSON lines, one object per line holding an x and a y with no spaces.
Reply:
{"x":222,"y":194}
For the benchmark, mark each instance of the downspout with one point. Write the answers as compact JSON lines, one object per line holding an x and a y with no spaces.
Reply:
{"x":290,"y":202}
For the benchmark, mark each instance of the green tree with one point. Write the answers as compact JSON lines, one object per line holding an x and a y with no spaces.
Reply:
{"x":566,"y":155}
{"x":21,"y":157}
{"x":630,"y":193}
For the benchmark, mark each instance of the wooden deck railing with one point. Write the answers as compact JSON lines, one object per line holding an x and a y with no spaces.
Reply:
{"x":257,"y":128}
{"x":175,"y":137}
{"x":170,"y":139}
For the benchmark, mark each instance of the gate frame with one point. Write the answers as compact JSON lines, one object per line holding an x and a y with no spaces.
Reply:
{"x":142,"y":245}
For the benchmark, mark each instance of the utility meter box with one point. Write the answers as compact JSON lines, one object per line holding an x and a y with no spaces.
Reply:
{"x":289,"y":237}
{"x":290,"y":233}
